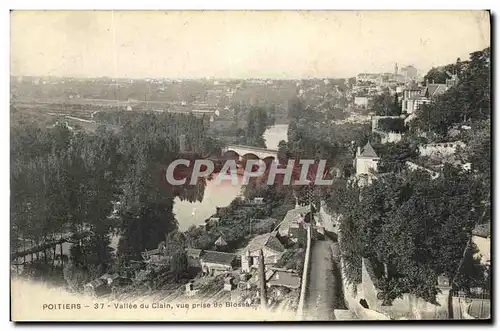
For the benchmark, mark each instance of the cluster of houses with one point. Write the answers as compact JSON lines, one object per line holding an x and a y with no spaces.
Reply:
{"x":366,"y":159}
{"x":405,"y":74}
{"x":404,"y":84}
{"x":240,"y":268}
{"x":370,"y":84}
{"x":413,"y":97}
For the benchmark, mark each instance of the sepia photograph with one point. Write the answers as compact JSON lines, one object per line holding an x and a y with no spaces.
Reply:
{"x":251,"y":165}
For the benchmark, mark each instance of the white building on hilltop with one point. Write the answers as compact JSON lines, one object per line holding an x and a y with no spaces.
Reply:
{"x":366,"y":160}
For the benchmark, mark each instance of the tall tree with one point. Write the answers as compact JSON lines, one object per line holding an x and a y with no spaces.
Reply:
{"x":179,"y":265}
{"x":386,"y":105}
{"x":416,"y":227}
{"x":468,"y":101}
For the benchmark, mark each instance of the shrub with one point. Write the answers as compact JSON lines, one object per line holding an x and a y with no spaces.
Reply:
{"x":75,"y":277}
{"x":391,"y":125}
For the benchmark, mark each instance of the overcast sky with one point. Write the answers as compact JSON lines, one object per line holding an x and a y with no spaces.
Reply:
{"x":240,"y":44}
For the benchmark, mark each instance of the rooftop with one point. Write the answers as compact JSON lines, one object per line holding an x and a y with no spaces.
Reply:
{"x":220,"y":242}
{"x":284,"y":278}
{"x":193,"y":252}
{"x":291,"y":217}
{"x":218,"y":257}
{"x":96,"y":283}
{"x":268,"y":240}
{"x":149,"y":253}
{"x":435,"y":89}
{"x":368,"y":151}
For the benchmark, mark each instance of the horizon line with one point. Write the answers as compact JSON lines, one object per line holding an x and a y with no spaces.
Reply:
{"x":192,"y":78}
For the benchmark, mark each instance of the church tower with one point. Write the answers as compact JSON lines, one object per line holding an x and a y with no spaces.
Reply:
{"x":396,"y":69}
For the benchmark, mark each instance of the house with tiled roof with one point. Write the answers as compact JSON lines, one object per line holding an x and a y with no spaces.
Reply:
{"x":434,"y":90}
{"x":284,"y":278}
{"x":292,"y":225}
{"x":155,"y":256}
{"x":216,"y":263}
{"x":366,"y":165}
{"x":414,"y":97}
{"x":271,"y":247}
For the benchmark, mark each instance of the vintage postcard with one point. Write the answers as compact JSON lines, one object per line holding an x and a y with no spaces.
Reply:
{"x":250,"y":165}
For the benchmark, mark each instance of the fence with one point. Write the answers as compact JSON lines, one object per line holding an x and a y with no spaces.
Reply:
{"x":471,"y":305}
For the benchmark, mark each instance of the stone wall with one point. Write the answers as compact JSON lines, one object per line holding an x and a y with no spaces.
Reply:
{"x":408,"y":306}
{"x":352,"y":298}
{"x":413,"y":166}
{"x":390,"y":137}
{"x":442,"y":149}
{"x":305,"y":274}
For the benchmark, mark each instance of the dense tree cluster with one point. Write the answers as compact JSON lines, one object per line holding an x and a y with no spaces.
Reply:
{"x":412,"y":229}
{"x":335,"y":143}
{"x":439,"y":75}
{"x":386,"y":104}
{"x":104,"y":182}
{"x":390,"y":124}
{"x":247,"y":125}
{"x":393,"y":156}
{"x":466,"y":102}
{"x":257,"y":123}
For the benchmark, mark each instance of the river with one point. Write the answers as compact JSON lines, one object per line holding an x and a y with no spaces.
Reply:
{"x":215,"y":195}
{"x":220,"y":195}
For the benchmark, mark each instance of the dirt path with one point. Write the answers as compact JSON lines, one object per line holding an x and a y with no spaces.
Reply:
{"x":324,"y":293}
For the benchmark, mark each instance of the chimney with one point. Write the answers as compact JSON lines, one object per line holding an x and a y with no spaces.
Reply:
{"x":262,"y":279}
{"x":358,"y":152}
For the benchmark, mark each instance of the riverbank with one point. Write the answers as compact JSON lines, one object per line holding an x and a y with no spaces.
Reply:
{"x":220,"y":195}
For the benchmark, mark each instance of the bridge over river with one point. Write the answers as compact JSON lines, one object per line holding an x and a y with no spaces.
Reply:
{"x":243,"y":150}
